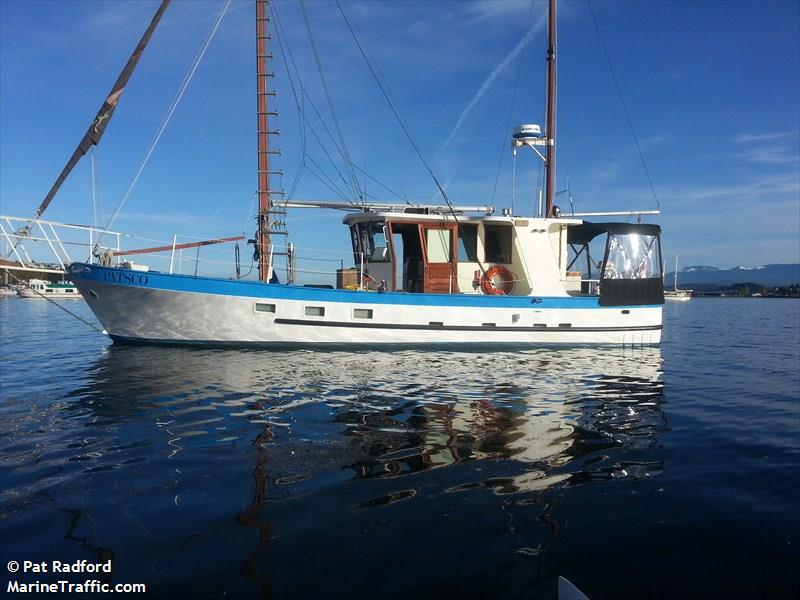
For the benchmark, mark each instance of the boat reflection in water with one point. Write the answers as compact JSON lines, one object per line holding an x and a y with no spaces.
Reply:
{"x":350,"y":458}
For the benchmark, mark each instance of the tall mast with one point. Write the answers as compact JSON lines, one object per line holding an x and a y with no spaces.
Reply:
{"x":550,"y":163}
{"x":264,"y":199}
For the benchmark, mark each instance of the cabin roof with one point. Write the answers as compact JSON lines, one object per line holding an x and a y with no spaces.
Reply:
{"x":586,"y":232}
{"x":395,"y":217}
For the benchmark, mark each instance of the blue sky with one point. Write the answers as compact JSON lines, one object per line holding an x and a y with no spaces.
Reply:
{"x":712,"y":90}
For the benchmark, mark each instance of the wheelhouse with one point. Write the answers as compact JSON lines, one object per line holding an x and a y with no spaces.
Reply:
{"x":445,"y":254}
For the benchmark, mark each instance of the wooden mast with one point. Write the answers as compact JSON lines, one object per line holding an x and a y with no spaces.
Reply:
{"x":550,"y":190}
{"x":264,"y":200}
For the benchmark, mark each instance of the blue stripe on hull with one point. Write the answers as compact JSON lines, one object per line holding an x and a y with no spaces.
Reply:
{"x":80,"y":272}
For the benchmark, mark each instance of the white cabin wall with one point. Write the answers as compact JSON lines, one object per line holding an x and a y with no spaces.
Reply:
{"x":540,"y":242}
{"x":520,"y":268}
{"x":465,"y":271}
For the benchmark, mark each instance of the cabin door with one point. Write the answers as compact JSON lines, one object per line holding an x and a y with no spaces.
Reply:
{"x":439,"y":242}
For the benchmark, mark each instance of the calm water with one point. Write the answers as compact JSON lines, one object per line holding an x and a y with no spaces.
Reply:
{"x":664,"y":472}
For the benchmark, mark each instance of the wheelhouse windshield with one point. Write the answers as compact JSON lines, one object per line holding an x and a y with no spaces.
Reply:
{"x":632,"y":256}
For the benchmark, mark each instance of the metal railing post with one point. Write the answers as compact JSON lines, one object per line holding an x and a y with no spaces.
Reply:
{"x":172,"y":256}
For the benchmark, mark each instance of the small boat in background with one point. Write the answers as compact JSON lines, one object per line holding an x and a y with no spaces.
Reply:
{"x":675,"y":293}
{"x":38,"y":288}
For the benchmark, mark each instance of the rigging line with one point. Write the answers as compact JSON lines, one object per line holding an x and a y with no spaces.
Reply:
{"x":322,"y":178}
{"x":322,"y":172}
{"x":286,"y":51}
{"x":511,"y":109}
{"x":250,"y":211}
{"x":51,"y":301}
{"x":304,"y":122}
{"x":312,"y":128}
{"x":394,"y":109}
{"x":322,"y":146}
{"x":333,"y":140}
{"x":94,"y":192}
{"x":622,"y":101}
{"x":404,"y":128}
{"x":384,"y":186}
{"x":296,"y":180}
{"x":348,"y":163}
{"x":185,"y":84}
{"x":327,"y":155}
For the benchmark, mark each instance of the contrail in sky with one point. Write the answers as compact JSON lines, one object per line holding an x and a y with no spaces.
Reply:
{"x":492,"y":76}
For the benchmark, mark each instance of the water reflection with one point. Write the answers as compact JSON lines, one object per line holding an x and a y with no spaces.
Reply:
{"x":270,"y":441}
{"x":393,"y":414}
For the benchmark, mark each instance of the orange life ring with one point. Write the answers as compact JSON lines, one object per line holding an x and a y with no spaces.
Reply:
{"x":497,"y":280}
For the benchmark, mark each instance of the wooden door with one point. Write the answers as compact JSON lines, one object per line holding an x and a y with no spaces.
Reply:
{"x":439,"y":243}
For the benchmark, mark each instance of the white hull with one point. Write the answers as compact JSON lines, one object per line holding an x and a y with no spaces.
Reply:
{"x":143,"y":313}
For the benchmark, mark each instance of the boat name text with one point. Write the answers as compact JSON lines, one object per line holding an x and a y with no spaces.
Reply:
{"x":125,"y":277}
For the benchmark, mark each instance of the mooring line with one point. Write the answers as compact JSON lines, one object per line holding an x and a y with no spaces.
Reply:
{"x":51,"y":301}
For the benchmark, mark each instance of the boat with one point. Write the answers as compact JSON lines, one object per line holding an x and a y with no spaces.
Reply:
{"x":422,"y":274}
{"x":39,"y":288}
{"x":675,"y":294}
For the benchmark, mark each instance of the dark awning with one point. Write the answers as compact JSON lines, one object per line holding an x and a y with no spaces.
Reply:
{"x":586,"y":232}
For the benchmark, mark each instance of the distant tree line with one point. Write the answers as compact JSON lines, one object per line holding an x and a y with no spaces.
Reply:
{"x":747,"y":290}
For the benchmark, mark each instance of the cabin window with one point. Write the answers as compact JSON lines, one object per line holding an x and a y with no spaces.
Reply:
{"x":369,"y":239}
{"x":498,"y":244}
{"x":468,"y":243}
{"x":362,"y":313}
{"x":268,"y":308}
{"x":438,"y":245}
{"x":315,"y":311}
{"x":632,"y":256}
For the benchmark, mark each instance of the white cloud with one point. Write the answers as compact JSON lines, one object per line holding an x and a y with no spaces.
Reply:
{"x":494,"y":9}
{"x":773,"y":155}
{"x":746,"y":138}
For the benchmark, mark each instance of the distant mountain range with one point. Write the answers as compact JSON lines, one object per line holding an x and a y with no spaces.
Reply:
{"x":767,"y":276}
